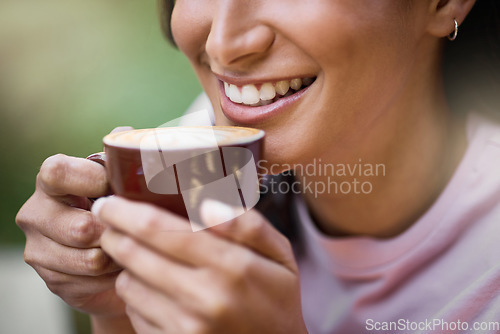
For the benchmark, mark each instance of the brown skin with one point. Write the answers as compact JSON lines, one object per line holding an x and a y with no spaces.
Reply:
{"x":63,"y":238}
{"x":378,"y":96}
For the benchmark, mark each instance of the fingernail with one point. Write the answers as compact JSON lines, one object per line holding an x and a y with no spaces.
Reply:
{"x":214,"y":212}
{"x":122,"y":280}
{"x":96,"y":207}
{"x":121,"y":129}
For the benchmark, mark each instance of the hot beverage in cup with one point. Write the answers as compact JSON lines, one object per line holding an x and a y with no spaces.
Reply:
{"x":178,"y":168}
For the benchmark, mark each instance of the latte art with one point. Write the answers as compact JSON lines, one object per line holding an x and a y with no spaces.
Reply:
{"x":183,"y":137}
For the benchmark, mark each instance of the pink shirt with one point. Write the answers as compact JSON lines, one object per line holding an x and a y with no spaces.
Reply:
{"x":442,"y":275}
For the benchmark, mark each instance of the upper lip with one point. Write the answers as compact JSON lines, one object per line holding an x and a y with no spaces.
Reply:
{"x":242,"y":81}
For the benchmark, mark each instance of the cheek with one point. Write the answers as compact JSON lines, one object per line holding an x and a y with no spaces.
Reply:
{"x":362,"y":55}
{"x":358,"y":37}
{"x":364,"y":59}
{"x":191,"y":23}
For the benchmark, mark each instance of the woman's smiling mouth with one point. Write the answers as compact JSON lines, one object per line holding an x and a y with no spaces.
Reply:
{"x":251,"y":103}
{"x":256,"y":95}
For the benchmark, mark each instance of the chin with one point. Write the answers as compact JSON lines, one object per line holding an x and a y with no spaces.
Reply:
{"x":277,"y":157}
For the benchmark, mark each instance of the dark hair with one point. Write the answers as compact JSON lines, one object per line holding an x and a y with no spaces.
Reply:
{"x":165,"y":8}
{"x":472,"y":62}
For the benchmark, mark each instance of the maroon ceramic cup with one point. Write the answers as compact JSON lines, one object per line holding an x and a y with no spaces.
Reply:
{"x":178,"y":168}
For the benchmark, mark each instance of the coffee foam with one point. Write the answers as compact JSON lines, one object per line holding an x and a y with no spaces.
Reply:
{"x":181,"y":138}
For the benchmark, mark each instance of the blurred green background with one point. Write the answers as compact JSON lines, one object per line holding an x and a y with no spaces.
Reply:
{"x":71,"y":71}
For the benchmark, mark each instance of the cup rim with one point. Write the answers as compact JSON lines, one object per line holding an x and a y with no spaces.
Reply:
{"x":257,"y":135}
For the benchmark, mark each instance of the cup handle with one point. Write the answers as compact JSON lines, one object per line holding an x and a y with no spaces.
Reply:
{"x":100,"y":158}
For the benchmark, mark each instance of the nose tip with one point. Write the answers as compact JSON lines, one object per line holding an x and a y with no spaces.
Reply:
{"x":226,"y":46}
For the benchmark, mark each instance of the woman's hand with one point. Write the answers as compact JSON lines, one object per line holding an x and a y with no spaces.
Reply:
{"x":238,"y":277}
{"x":63,"y":240}
{"x":62,"y":236}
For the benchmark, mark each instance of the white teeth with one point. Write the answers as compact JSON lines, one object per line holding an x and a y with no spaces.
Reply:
{"x":282,"y":87}
{"x":267,"y":92}
{"x":235,"y":94}
{"x":295,"y":84}
{"x":250,"y":94}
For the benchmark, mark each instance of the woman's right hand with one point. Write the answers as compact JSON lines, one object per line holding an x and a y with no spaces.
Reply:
{"x":62,"y":236}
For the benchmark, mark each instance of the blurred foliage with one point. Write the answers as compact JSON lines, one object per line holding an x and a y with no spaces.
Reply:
{"x":71,"y":71}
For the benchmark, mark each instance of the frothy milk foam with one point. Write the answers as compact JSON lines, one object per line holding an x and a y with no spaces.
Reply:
{"x":183,"y":137}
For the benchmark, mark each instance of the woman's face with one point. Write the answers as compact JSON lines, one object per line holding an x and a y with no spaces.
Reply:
{"x":353,"y":59}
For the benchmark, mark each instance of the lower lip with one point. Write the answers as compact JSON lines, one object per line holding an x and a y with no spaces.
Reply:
{"x":247,"y":115}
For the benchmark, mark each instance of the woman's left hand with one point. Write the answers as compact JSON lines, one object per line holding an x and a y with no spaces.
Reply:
{"x":237,"y":277}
